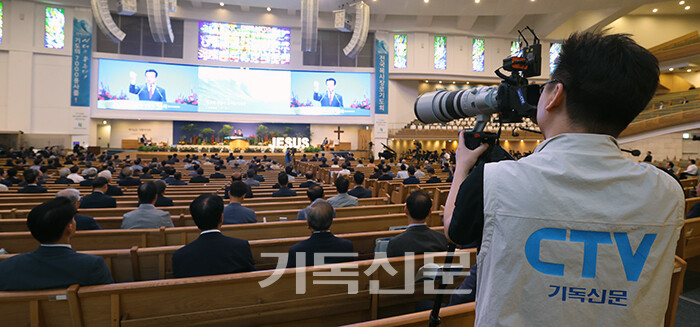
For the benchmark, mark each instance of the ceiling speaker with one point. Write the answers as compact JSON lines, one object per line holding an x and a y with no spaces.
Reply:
{"x":359,"y":32}
{"x":126,"y":7}
{"x":309,"y":25}
{"x":103,"y":19}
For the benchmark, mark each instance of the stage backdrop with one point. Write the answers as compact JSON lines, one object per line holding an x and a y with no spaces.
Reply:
{"x":189,"y":132}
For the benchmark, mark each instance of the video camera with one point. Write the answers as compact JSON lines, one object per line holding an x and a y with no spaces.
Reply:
{"x":513,"y":100}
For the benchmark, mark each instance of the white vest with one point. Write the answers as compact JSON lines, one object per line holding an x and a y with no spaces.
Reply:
{"x":577,"y":235}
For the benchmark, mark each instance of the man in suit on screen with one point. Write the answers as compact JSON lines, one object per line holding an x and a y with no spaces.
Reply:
{"x":149,"y":91}
{"x":328,"y":98}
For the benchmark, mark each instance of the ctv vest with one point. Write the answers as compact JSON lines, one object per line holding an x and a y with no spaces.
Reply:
{"x":577,"y":235}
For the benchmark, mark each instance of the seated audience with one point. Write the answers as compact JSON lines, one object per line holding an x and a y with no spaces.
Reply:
{"x":54,"y":264}
{"x":125,"y":178}
{"x":309,"y":180}
{"x":91,"y":174}
{"x":344,"y":171}
{"x":237,"y":177}
{"x":419,"y":173}
{"x":411,"y":179}
{"x":418,"y":237}
{"x":162,"y":200}
{"x":30,"y":177}
{"x":82,"y":222}
{"x":200,"y":177}
{"x":319,"y":216}
{"x":211,"y":253}
{"x":290,"y":173}
{"x":217,"y":173}
{"x":433,"y":178}
{"x":695,"y":209}
{"x":74,"y":175}
{"x":176,"y":180}
{"x":145,"y":173}
{"x":359,"y":191}
{"x":387,"y":176}
{"x":62,"y":177}
{"x":378,"y":171}
{"x":284,"y":191}
{"x":250,"y":178}
{"x":235,"y":213}
{"x":111,"y":189}
{"x":11,"y":178}
{"x":403,"y":173}
{"x":315,"y":192}
{"x":343,"y":199}
{"x":690,"y":171}
{"x":146,"y":215}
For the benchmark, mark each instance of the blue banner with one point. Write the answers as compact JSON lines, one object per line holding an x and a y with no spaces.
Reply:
{"x":82,"y":56}
{"x":381,"y":76}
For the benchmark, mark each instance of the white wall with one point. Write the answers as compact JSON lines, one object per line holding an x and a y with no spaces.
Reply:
{"x":402,"y":96}
{"x":318,"y":132}
{"x":157,"y":131}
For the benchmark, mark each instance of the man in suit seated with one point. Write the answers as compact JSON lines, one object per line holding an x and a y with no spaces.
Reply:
{"x":343,"y":199}
{"x":30,"y":177}
{"x":63,"y":179}
{"x":11,"y":177}
{"x":403,"y":173}
{"x":309,"y":180}
{"x":284,"y":190}
{"x":91,"y":174}
{"x":411,"y":179}
{"x":235,"y":212}
{"x":303,"y":158}
{"x":314,"y":193}
{"x":145,"y":173}
{"x":359,"y":191}
{"x":234,"y":178}
{"x":250,"y":178}
{"x":161,"y":199}
{"x":211,"y":253}
{"x":323,"y":163}
{"x":98,"y":198}
{"x":82,"y":222}
{"x":175,"y":179}
{"x":387,"y":176}
{"x":433,"y":178}
{"x":54,"y":264}
{"x":146,"y":215}
{"x":200,"y":177}
{"x":418,"y":237}
{"x":125,"y":178}
{"x":319,"y":216}
{"x":111,"y":189}
{"x":149,"y":91}
{"x":217,"y":173}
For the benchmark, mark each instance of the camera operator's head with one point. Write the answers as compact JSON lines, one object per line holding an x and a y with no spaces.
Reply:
{"x":601,"y":83}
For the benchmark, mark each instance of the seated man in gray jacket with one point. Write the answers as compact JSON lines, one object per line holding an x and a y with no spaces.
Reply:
{"x":146,"y":215}
{"x":418,"y":238}
{"x":343,"y":199}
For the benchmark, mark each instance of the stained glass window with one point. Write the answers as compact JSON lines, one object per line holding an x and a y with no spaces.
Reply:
{"x":440,"y":55}
{"x":244,"y":43}
{"x":400,"y":51}
{"x":0,"y":22}
{"x":478,"y":53}
{"x":54,"y":36}
{"x":514,"y":48}
{"x":554,"y":51}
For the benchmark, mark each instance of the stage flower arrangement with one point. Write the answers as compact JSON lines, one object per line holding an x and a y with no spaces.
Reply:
{"x":295,"y":103}
{"x":364,"y":104}
{"x":104,"y":94}
{"x":191,"y":99}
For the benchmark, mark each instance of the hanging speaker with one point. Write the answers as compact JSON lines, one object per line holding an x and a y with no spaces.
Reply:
{"x":126,"y":7}
{"x":360,"y":30}
{"x":103,"y":19}
{"x":309,"y":25}
{"x":159,"y":20}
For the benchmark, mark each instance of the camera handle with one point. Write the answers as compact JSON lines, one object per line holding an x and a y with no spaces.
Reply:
{"x":476,"y":136}
{"x":435,"y":313}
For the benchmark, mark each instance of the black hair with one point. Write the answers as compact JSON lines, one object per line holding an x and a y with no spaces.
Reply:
{"x":411,"y":170}
{"x":178,"y":175}
{"x":206,"y":211}
{"x":48,"y":221}
{"x":430,"y":170}
{"x":359,"y":177}
{"x":30,"y":176}
{"x":419,"y":205}
{"x":692,"y":161}
{"x":200,"y":171}
{"x":331,"y":79}
{"x":147,"y":192}
{"x":74,"y":169}
{"x":314,"y":192}
{"x":250,"y":173}
{"x":149,"y":71}
{"x":595,"y":70}
{"x":160,"y":186}
{"x":342,"y":184}
{"x":309,"y":175}
{"x":282,"y":179}
{"x":238,"y":189}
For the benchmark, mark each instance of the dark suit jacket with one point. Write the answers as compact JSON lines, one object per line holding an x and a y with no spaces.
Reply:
{"x":146,"y":176}
{"x":142,"y":92}
{"x":417,"y":239}
{"x":234,"y":213}
{"x":114,"y":190}
{"x":63,"y":180}
{"x":129,"y":181}
{"x":173,"y":181}
{"x":85,"y":223}
{"x":199,"y":179}
{"x":52,"y":267}
{"x":32,"y":189}
{"x":411,"y":180}
{"x":385,"y":177}
{"x":320,"y":242}
{"x":360,"y":192}
{"x":98,"y":200}
{"x":212,"y":254}
{"x":307,"y":184}
{"x":283,"y":192}
{"x":326,"y":101}
{"x":87,"y":182}
{"x":217,"y":175}
{"x":164,"y":201}
{"x":259,"y":178}
{"x":248,"y":195}
{"x":433,"y":179}
{"x":277,"y":185}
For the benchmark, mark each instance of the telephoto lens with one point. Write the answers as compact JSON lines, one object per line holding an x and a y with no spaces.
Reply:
{"x":444,"y":106}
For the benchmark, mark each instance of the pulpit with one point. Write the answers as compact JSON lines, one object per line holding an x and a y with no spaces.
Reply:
{"x":342,"y":146}
{"x":237,"y":142}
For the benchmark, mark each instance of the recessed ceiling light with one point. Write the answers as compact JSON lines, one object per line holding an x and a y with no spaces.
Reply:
{"x":477,"y":1}
{"x":655,"y":10}
{"x":689,"y":70}
{"x":453,"y":82}
{"x":221,"y":4}
{"x":686,"y":7}
{"x":104,"y":122}
{"x":269,"y":9}
{"x":467,"y":82}
{"x":440,"y":82}
{"x":426,"y":81}
{"x":426,"y":1}
{"x":681,"y":3}
{"x":670,"y":69}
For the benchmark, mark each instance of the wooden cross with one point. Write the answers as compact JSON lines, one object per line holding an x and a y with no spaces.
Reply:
{"x":339,"y":132}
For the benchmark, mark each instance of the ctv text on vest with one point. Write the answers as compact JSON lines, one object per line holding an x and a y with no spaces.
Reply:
{"x":632,"y":261}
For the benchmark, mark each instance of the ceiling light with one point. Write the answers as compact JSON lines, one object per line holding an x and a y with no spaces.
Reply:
{"x":467,"y":83}
{"x":681,"y":3}
{"x":655,"y":10}
{"x":532,"y":0}
{"x":221,"y":4}
{"x":689,"y":70}
{"x":269,"y":9}
{"x":686,"y":7}
{"x":426,"y":1}
{"x":104,"y":122}
{"x":426,"y":81}
{"x":453,"y":82}
{"x":670,"y":69}
{"x":477,"y":1}
{"x":440,"y":82}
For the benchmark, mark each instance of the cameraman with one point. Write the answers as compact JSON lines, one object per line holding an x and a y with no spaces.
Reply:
{"x":574,"y":234}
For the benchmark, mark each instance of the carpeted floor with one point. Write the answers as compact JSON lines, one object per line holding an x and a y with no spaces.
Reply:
{"x":688,"y":313}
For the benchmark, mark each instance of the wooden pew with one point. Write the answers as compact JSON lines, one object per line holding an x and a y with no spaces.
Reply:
{"x":232,"y":299}
{"x":689,"y":243}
